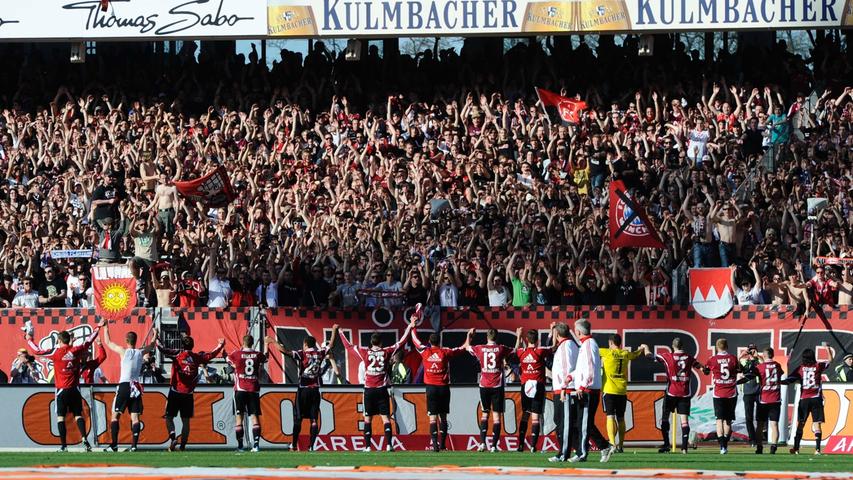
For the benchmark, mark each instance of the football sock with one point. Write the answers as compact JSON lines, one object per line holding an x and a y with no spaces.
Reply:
{"x":522,"y":429}
{"x":484,"y":429}
{"x":621,"y":433}
{"x":114,"y":434}
{"x":496,"y":434}
{"x":170,"y":426}
{"x":664,"y":429}
{"x":611,"y":430}
{"x":135,"y":428}
{"x":238,"y":432}
{"x":534,"y":430}
{"x":315,"y":429}
{"x":443,"y":428}
{"x":185,"y":432}
{"x":433,"y":432}
{"x":81,"y":426}
{"x":685,"y":436}
{"x":256,"y":435}
{"x":368,"y":432}
{"x":387,"y":428}
{"x":817,"y":436}
{"x":62,"y":434}
{"x":799,"y":436}
{"x":297,"y":428}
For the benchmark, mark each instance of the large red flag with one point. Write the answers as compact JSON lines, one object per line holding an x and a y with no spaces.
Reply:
{"x":629,"y":225}
{"x":711,"y":291}
{"x":115,"y":291}
{"x":212,"y":190}
{"x":569,"y":109}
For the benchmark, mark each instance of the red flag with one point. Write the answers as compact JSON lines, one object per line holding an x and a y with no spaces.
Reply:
{"x":711,"y":291}
{"x":569,"y":109}
{"x":212,"y":190}
{"x":629,"y":225}
{"x":115,"y":291}
{"x":105,"y":5}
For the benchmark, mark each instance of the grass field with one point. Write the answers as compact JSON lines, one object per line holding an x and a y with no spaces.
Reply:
{"x":739,"y":459}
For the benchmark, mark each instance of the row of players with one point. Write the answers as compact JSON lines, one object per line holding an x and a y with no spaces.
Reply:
{"x":582,"y":374}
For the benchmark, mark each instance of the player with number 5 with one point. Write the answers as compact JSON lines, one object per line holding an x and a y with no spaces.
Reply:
{"x":723,"y":368}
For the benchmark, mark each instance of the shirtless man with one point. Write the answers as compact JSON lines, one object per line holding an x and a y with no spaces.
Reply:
{"x":797,"y":292}
{"x":148,"y":173}
{"x":845,"y":287}
{"x":777,"y":288}
{"x":166,"y":201}
{"x":726,"y":219}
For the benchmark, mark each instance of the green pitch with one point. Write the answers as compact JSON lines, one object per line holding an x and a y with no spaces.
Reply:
{"x":705,"y":458}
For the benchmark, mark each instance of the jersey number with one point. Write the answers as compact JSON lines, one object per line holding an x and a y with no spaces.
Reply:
{"x":377,"y":362}
{"x":682,"y":366}
{"x":725,"y":374}
{"x":489,"y":360}
{"x":772,"y":378}
{"x":809,"y":379}
{"x":249,"y":367}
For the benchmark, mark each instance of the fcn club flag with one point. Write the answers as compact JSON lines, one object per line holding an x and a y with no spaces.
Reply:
{"x":569,"y":109}
{"x":212,"y":190}
{"x":711,"y":291}
{"x":629,"y":225}
{"x":115,"y":291}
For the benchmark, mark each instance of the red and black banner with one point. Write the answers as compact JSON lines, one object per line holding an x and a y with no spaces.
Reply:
{"x":212,"y":190}
{"x":629,"y":225}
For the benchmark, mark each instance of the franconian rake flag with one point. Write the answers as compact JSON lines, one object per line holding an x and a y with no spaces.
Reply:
{"x":711,"y":291}
{"x":115,"y":291}
{"x":629,"y":225}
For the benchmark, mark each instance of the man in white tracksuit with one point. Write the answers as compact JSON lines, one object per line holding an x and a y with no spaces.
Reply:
{"x":565,"y":356}
{"x":587,"y":382}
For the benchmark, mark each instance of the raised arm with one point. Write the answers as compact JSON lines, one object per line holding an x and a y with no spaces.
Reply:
{"x":403,"y":337}
{"x":274,"y":344}
{"x":112,"y":346}
{"x":415,"y":340}
{"x":206,"y":357}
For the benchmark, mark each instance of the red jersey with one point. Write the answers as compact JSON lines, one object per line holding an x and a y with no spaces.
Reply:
{"x":769,"y":374}
{"x":532,"y":363}
{"x":376,"y":360}
{"x":247,"y":365}
{"x":724,"y":368}
{"x":436,"y":361}
{"x":185,"y":366}
{"x":811,"y":379}
{"x":822,"y":291}
{"x":87,"y":375}
{"x":677,"y":365}
{"x":309,"y":362}
{"x":188,"y":294}
{"x":491,"y":359}
{"x":67,"y":361}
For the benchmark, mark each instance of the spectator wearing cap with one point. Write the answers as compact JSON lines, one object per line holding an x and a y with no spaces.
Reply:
{"x":145,"y":233}
{"x":163,"y":292}
{"x":748,"y":291}
{"x":27,"y":297}
{"x":844,"y":371}
{"x":52,"y":290}
{"x":106,"y":201}
{"x":82,"y":295}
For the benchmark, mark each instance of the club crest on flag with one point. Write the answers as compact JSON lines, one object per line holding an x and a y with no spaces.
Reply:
{"x":711,"y":291}
{"x":628,"y":224}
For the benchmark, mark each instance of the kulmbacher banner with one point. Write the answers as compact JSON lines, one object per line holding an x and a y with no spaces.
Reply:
{"x":352,"y":18}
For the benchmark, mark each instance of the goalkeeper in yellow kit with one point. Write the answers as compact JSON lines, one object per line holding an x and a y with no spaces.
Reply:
{"x":614,"y":390}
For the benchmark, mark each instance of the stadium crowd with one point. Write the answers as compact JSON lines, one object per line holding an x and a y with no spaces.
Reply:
{"x":435,"y":179}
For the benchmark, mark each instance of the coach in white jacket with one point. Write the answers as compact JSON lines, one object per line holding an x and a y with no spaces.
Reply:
{"x":565,"y":357}
{"x":587,"y":383}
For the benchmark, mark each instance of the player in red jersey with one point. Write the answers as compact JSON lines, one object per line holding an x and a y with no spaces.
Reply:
{"x":677,"y":397}
{"x":769,"y":373}
{"x":87,"y":369}
{"x":809,"y":374}
{"x":309,"y":361}
{"x":436,"y":360}
{"x":185,"y":367}
{"x":491,"y":358}
{"x":67,"y":362}
{"x":377,"y":400}
{"x":247,"y":363}
{"x":723,"y":368}
{"x":531,"y":359}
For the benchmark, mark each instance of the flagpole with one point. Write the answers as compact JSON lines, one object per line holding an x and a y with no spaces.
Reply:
{"x":541,"y":104}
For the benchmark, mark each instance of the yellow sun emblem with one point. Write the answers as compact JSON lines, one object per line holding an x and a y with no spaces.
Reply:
{"x":116,"y":298}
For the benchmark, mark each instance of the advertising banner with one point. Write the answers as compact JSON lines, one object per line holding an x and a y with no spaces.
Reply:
{"x":132,"y":19}
{"x":30,"y":417}
{"x":347,"y":18}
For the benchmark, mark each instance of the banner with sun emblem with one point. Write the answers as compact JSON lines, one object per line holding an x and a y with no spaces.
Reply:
{"x":629,"y":225}
{"x":115,"y":291}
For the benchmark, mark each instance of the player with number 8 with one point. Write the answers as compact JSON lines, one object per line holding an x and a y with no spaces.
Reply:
{"x":247,"y":363}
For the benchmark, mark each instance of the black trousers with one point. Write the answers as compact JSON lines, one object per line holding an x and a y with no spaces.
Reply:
{"x":749,"y":404}
{"x":587,"y":405}
{"x":565,"y":421}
